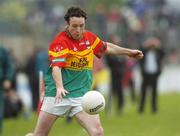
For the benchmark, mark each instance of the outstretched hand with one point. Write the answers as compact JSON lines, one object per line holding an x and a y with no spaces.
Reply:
{"x":137,"y":54}
{"x":60,"y":93}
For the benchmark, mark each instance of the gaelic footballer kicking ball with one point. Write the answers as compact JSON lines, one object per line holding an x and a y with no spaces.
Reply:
{"x":93,"y":102}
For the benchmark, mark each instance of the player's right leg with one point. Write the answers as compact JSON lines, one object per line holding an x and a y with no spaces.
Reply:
{"x":44,"y":124}
{"x":50,"y":111}
{"x":91,"y":123}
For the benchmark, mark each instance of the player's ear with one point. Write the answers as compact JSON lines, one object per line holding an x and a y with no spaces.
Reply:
{"x":66,"y":26}
{"x":67,"y":23}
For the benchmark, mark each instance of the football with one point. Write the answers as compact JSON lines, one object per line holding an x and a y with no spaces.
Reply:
{"x":93,"y":102}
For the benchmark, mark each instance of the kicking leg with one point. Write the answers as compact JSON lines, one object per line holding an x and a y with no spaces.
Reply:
{"x":91,"y":123}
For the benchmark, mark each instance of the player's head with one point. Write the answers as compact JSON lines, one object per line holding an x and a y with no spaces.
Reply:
{"x":75,"y":18}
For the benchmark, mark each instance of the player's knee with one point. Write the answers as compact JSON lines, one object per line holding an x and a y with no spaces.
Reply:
{"x":97,"y":131}
{"x":101,"y":131}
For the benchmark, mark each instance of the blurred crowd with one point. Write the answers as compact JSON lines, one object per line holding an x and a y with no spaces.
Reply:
{"x":131,"y":20}
{"x":130,"y":24}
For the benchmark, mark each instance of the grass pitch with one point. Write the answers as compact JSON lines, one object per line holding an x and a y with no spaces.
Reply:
{"x":165,"y":123}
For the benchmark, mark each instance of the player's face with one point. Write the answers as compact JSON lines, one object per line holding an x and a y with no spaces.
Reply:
{"x":76,"y":27}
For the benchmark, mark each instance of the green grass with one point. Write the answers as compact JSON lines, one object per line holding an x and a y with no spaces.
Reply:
{"x":165,"y":123}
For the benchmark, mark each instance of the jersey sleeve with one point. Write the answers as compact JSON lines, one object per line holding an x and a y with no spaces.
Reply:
{"x":57,"y":53}
{"x":99,"y":47}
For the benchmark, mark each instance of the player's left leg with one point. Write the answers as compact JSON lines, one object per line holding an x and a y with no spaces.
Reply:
{"x":91,"y":123}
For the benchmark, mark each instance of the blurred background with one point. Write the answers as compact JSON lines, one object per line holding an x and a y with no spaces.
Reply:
{"x":28,"y":26}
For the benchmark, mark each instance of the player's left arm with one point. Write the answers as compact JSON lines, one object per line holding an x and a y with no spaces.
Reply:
{"x":117,"y":50}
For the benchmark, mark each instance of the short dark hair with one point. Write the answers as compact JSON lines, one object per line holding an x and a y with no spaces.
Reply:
{"x":75,"y":12}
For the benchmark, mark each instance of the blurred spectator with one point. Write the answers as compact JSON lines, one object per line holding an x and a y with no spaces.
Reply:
{"x":6,"y":75}
{"x":100,"y":17}
{"x":117,"y":65}
{"x":101,"y":80}
{"x":12,"y":104}
{"x":42,"y":5}
{"x":128,"y":79}
{"x":41,"y":61}
{"x":37,"y":62}
{"x":24,"y":93}
{"x":114,"y":18}
{"x":33,"y":78}
{"x":101,"y":74}
{"x":150,"y":70}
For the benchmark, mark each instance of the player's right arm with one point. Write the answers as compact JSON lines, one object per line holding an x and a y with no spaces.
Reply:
{"x":58,"y":52}
{"x":57,"y":76}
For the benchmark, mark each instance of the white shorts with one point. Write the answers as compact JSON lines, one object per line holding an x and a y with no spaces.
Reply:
{"x":66,"y":107}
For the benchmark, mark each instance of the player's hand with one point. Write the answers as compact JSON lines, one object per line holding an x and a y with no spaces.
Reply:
{"x":137,"y":54}
{"x":59,"y":94}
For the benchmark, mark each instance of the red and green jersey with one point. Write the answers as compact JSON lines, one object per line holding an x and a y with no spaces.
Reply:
{"x":75,"y":57}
